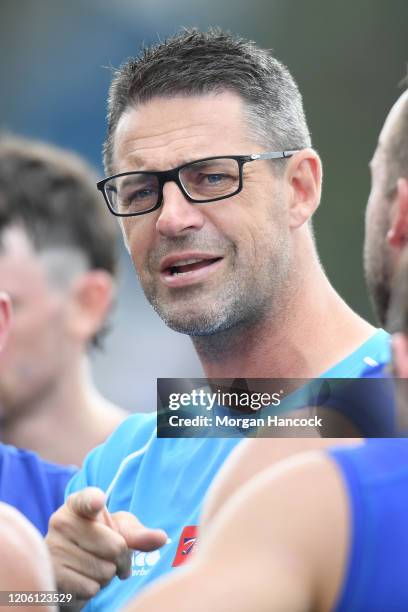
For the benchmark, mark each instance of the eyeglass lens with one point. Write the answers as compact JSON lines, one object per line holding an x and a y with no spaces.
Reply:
{"x":202,"y":181}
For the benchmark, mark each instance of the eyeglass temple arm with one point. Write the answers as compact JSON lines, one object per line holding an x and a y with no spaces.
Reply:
{"x":273,"y":155}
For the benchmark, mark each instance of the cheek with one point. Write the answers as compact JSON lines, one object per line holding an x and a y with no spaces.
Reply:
{"x":143,"y":244}
{"x":137,"y":235}
{"x":376,"y":219}
{"x":138,"y":253}
{"x":39,"y":325}
{"x":24,"y":353}
{"x":370,"y":210}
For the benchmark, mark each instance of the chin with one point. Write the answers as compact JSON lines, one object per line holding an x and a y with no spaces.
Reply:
{"x":193,"y":323}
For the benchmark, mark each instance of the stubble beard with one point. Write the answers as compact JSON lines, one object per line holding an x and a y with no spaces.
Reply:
{"x":378,"y":269}
{"x":217,"y":317}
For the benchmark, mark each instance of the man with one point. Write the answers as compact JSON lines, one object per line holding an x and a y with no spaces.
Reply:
{"x":57,"y":262}
{"x":34,"y":487}
{"x":342,"y":551}
{"x":20,"y":544}
{"x":321,"y":531}
{"x":387,"y":208}
{"x":386,"y":236}
{"x":215,"y":183}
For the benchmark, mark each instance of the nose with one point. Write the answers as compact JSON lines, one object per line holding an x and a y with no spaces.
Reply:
{"x":177,"y":215}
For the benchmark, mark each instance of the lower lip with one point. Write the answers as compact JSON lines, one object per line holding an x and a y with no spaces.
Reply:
{"x":189,"y":278}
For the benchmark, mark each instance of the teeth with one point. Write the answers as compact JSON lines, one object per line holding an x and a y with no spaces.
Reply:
{"x":185,"y":262}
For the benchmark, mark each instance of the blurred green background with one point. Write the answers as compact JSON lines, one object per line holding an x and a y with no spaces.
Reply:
{"x":347,"y":57}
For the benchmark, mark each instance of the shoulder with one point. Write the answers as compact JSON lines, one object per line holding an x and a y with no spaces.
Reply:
{"x":252,"y":457}
{"x":133,"y":431}
{"x":376,"y":462}
{"x":292,"y":478}
{"x":376,"y":476}
{"x":306,"y":478}
{"x":26,"y":564}
{"x":15,"y":531}
{"x":132,"y":436}
{"x":15,"y":462}
{"x":374,"y":351}
{"x":296,"y":510}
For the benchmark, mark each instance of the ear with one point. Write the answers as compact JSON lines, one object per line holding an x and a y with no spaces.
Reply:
{"x":398,"y":233}
{"x":91,"y":297}
{"x":304,"y":175}
{"x":5,"y":317}
{"x":400,"y":354}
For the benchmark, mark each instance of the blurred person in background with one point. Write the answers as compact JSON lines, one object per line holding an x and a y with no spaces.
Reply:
{"x":34,"y":486}
{"x":317,"y":531}
{"x":25,"y":562}
{"x":215,"y":183}
{"x":386,"y":233}
{"x":58,"y":264}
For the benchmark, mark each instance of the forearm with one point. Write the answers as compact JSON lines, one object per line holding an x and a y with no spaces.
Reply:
{"x":252,"y":457}
{"x":221,"y":587}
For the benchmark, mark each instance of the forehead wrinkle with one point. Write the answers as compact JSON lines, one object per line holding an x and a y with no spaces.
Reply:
{"x":178,"y":135}
{"x":154,"y":154}
{"x":158,"y":132}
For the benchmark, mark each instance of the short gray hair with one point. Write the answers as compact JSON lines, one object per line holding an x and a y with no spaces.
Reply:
{"x":197,"y":63}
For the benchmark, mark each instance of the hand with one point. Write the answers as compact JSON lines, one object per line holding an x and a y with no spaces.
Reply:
{"x":89,"y":546}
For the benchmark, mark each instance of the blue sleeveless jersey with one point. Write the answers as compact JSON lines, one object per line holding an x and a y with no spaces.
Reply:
{"x":164,"y":481}
{"x":376,"y":478}
{"x":33,"y":486}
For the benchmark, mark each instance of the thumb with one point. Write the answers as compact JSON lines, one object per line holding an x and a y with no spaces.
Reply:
{"x":137,"y":536}
{"x":87,"y":503}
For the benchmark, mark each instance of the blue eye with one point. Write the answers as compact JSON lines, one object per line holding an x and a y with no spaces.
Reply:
{"x":141,"y":194}
{"x":213,"y":179}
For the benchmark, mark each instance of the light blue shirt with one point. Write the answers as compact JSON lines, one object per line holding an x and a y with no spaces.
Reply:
{"x":164,"y":481}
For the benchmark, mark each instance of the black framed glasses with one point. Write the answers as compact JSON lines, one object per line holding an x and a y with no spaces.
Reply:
{"x":205,"y":180}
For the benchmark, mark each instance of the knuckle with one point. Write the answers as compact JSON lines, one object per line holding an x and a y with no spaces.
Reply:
{"x":93,"y":589}
{"x":58,"y":553}
{"x":68,"y":582}
{"x":56,"y":521}
{"x":98,"y":569}
{"x":119,"y":549}
{"x":71,"y":500}
{"x":114,"y":545}
{"x":87,"y":589}
{"x":107,"y":572}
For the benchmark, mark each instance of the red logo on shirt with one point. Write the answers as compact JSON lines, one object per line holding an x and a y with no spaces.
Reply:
{"x":186,"y":544}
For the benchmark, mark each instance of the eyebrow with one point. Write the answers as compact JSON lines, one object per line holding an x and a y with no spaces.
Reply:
{"x":128,"y":181}
{"x":135,"y":159}
{"x":140,"y":163}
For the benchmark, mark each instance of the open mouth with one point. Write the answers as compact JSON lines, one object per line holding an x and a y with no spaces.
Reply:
{"x":190,"y":265}
{"x":189,"y":270}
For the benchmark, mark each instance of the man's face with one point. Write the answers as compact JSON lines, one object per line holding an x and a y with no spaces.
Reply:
{"x":233,"y":256}
{"x":37,"y":347}
{"x":379,"y":260}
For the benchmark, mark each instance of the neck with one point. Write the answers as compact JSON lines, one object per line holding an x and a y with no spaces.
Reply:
{"x":310,"y":331}
{"x":67,"y":421}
